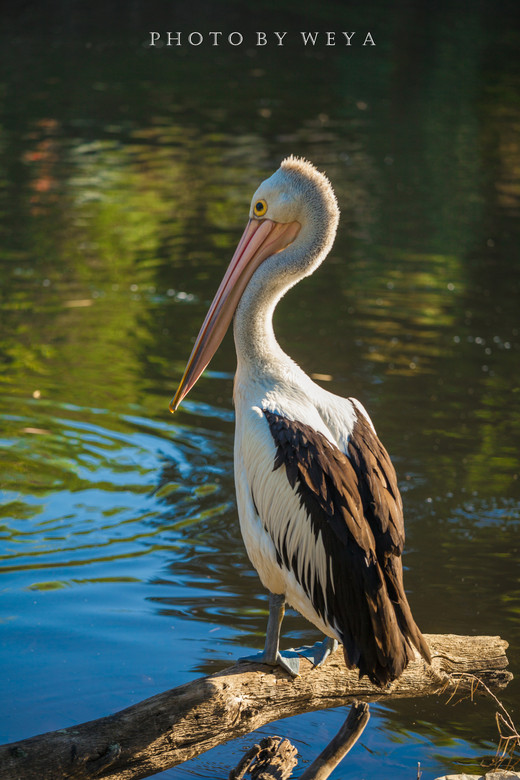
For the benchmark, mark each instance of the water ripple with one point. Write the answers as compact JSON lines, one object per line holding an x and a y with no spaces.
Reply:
{"x":87,"y":488}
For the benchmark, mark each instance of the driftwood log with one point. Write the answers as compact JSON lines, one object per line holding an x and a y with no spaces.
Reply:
{"x":177,"y":725}
{"x":338,"y":748}
{"x":274,"y":758}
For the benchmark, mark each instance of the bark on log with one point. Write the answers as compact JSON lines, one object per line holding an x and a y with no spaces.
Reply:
{"x":177,"y":725}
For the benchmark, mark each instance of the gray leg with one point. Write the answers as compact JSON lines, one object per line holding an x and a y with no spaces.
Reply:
{"x":271,"y":654}
{"x":274,"y":625}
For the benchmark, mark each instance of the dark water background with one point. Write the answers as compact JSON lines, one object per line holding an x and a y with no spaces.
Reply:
{"x":125,"y":179}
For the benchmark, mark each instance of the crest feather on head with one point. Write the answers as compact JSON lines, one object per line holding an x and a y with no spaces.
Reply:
{"x":303,"y":169}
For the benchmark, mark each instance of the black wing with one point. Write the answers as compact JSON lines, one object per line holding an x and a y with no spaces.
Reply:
{"x":354,"y":503}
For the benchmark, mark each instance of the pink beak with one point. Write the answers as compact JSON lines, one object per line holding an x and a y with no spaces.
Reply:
{"x":261,"y":239}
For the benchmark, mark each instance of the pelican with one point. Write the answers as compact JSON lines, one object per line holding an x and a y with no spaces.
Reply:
{"x":319,"y":506}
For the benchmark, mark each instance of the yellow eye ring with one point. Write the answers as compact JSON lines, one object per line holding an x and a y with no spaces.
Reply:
{"x":260,"y":208}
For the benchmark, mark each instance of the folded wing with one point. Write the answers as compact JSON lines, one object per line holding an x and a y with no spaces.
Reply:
{"x":355,"y":514}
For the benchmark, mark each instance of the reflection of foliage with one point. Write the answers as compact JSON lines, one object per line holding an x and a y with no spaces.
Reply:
{"x":405,"y":307}
{"x":495,"y":464}
{"x":120,"y":208}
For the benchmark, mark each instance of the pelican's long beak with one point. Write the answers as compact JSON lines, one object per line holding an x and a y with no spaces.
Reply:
{"x":261,"y":239}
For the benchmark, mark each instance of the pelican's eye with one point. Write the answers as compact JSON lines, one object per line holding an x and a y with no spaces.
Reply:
{"x":259,"y":208}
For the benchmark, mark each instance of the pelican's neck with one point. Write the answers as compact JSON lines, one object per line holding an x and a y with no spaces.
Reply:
{"x":255,"y":342}
{"x":256,"y":345}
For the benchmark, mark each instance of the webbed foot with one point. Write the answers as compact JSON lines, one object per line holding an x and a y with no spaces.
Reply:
{"x":289,"y":661}
{"x":318,"y":653}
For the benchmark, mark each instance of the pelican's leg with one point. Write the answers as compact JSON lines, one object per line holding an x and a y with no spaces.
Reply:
{"x":274,"y":625}
{"x":271,"y":654}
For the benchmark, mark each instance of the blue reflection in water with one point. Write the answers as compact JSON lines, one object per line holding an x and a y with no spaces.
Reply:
{"x":85,"y":533}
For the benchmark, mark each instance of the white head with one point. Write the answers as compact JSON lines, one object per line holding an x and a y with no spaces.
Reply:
{"x":298,"y":192}
{"x":292,"y":223}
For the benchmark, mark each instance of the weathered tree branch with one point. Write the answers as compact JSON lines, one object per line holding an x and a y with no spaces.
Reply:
{"x":340,"y":745}
{"x":180,"y":724}
{"x":273,"y":758}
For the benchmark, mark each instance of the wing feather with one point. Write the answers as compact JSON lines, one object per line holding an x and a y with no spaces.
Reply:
{"x":355,"y":521}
